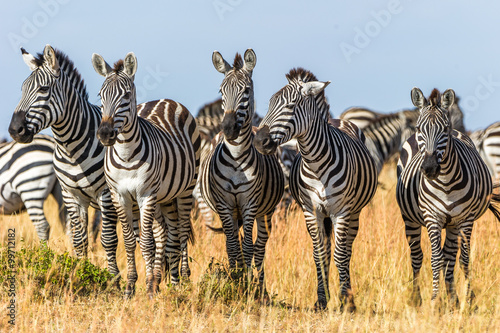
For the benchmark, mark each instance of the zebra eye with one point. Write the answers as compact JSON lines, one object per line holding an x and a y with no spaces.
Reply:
{"x":44,"y":89}
{"x":127,"y":95}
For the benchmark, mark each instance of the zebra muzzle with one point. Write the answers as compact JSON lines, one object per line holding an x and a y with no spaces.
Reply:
{"x":263,"y":141}
{"x":106,"y":133}
{"x":430,"y":166}
{"x":230,"y":126}
{"x":18,"y":128}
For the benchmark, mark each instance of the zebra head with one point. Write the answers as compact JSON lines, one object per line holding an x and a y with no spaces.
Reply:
{"x":237,"y":91}
{"x":117,"y":96}
{"x":41,"y":97}
{"x":433,"y":129}
{"x":291,"y":111}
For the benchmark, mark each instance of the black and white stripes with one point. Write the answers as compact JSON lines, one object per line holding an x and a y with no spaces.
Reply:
{"x":27,"y":178}
{"x":442,"y":183}
{"x":237,"y":182}
{"x":332,"y":179}
{"x":151,"y":163}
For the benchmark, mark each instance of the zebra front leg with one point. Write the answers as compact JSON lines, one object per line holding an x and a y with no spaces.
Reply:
{"x":186,"y":232}
{"x":413,"y":236}
{"x":148,"y":209}
{"x":109,"y":237}
{"x":231,"y":228}
{"x":464,"y":258}
{"x":173,"y":244}
{"x":37,"y":217}
{"x":247,"y":244}
{"x":264,"y":227}
{"x":126,"y":217}
{"x":160,"y":237}
{"x":437,"y":262}
{"x":346,"y":230}
{"x":79,"y":220}
{"x":321,"y":255}
{"x":450,"y":256}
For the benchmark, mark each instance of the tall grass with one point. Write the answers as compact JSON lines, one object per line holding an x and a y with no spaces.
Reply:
{"x":381,"y":278}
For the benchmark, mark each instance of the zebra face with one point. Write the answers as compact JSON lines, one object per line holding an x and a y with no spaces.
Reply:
{"x":290,"y":113}
{"x":433,"y":129}
{"x":40,"y":102}
{"x":117,"y":96}
{"x":237,"y":91}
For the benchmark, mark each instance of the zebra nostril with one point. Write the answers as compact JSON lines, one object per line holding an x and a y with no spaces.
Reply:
{"x":266,"y":142}
{"x":20,"y":130}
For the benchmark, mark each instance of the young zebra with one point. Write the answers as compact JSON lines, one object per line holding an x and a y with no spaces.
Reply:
{"x":27,"y":178}
{"x":152,"y":163}
{"x":237,"y":182}
{"x":332,"y":179}
{"x":54,"y":95}
{"x":442,"y":183}
{"x":487,"y":142}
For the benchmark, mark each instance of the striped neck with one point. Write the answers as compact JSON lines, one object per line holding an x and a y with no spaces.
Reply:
{"x":129,"y":140}
{"x":309,"y":143}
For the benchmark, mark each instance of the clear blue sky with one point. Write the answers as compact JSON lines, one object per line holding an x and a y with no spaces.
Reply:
{"x":374,"y":52}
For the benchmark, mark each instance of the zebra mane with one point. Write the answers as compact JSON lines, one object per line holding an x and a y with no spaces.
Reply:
{"x":434,"y":98}
{"x":301,"y":74}
{"x":238,"y":62}
{"x":68,"y":67}
{"x":118,"y":66}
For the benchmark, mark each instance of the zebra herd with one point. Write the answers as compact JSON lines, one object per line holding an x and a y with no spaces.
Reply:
{"x":142,"y":164}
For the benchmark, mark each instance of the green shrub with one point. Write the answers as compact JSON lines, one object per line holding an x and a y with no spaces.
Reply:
{"x":54,"y":274}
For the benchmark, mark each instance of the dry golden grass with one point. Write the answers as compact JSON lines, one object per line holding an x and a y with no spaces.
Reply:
{"x":381,"y":275}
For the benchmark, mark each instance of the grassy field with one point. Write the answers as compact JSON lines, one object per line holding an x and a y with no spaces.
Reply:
{"x":380,"y":270}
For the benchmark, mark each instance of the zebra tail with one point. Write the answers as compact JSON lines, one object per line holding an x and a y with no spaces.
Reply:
{"x":220,"y":230}
{"x":191,"y":236}
{"x":63,"y":213}
{"x":495,"y":202}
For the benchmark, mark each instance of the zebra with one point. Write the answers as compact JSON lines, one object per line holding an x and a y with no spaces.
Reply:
{"x":386,"y":134}
{"x":332,"y":179}
{"x":487,"y":142}
{"x":361,"y":117}
{"x":442,"y":183}
{"x":237,"y":182}
{"x":151,"y":161}
{"x":27,"y":178}
{"x":54,"y":95}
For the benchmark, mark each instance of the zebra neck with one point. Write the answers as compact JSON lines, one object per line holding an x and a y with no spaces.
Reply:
{"x":78,"y":125}
{"x":450,"y":165}
{"x":129,"y":140}
{"x":312,"y":144}
{"x":240,"y":146}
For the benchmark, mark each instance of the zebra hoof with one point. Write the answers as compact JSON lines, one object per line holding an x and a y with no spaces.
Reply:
{"x":320,"y":305}
{"x":347,"y":303}
{"x":416,"y":299}
{"x":129,"y":292}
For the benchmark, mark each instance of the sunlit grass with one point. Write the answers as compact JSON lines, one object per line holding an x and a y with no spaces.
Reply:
{"x":381,"y":278}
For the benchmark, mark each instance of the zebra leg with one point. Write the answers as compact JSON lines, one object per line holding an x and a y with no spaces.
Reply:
{"x":109,"y":236}
{"x":464,"y":259}
{"x":437,"y":262}
{"x":247,"y":243}
{"x":413,"y":236}
{"x":315,"y":227}
{"x":346,"y":230}
{"x":264,"y":227}
{"x":450,"y":256}
{"x":126,"y":217}
{"x":79,"y":220}
{"x":173,"y":244}
{"x":186,"y":232}
{"x":160,"y":237}
{"x":230,"y":226}
{"x":37,"y":217}
{"x":147,"y":244}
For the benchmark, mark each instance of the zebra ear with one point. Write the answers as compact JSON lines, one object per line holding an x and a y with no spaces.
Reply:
{"x":130,"y":64}
{"x":49,"y":55}
{"x":220,"y":64}
{"x":250,"y":60}
{"x":29,"y":59}
{"x":418,"y":98}
{"x":313,"y":88}
{"x":101,"y":67}
{"x":448,"y":98}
